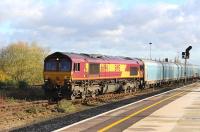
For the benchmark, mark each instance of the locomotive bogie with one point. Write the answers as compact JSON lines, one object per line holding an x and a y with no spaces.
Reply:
{"x":98,"y":87}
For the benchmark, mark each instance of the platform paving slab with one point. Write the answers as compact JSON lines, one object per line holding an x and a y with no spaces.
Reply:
{"x":181,"y":115}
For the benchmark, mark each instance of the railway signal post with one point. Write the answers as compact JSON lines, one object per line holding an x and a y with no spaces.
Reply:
{"x":150,"y":50}
{"x":186,"y":55}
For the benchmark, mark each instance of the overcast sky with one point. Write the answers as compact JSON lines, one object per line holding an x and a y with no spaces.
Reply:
{"x":112,"y":27}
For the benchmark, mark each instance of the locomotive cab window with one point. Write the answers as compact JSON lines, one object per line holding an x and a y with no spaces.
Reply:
{"x":58,"y":65}
{"x":64,"y":65}
{"x":51,"y":65}
{"x":94,"y":68}
{"x":133,"y":71}
{"x":76,"y":66}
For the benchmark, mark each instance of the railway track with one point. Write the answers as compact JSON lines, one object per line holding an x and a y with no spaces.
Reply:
{"x":109,"y":102}
{"x":22,"y":106}
{"x":26,"y":112}
{"x":110,"y":97}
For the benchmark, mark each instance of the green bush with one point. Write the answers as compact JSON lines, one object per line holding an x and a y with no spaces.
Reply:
{"x":7,"y":84}
{"x":11,"y":83}
{"x":11,"y":100}
{"x":32,"y":110}
{"x":22,"y":84}
{"x":35,"y":110}
{"x":65,"y":106}
{"x":2,"y":84}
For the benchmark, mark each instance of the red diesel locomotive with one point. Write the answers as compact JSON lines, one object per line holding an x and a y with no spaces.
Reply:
{"x":81,"y":75}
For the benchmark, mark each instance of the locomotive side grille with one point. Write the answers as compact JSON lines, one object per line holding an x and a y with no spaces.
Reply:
{"x":133,"y":71}
{"x":94,"y":68}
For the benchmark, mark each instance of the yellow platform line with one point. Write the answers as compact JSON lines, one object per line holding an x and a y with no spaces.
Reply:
{"x":135,"y":113}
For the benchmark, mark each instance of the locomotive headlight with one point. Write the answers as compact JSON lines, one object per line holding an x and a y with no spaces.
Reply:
{"x":66,"y":77}
{"x":46,"y":78}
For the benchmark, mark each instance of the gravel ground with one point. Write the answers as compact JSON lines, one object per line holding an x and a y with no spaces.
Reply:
{"x":60,"y":122}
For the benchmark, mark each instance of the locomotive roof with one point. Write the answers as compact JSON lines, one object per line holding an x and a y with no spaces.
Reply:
{"x":98,"y":58}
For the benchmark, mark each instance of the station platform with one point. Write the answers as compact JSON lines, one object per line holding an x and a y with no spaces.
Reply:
{"x":181,"y":115}
{"x":177,"y":110}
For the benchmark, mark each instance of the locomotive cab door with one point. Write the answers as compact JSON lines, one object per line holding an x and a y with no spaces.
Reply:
{"x":79,"y":70}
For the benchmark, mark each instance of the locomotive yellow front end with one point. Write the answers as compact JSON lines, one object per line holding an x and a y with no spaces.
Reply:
{"x":57,"y":76}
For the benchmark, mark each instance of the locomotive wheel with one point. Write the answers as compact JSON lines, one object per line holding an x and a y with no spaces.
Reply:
{"x":135,"y":89}
{"x":125,"y":90}
{"x":73,"y":97}
{"x":94,"y":93}
{"x":59,"y":95}
{"x":83,"y":95}
{"x":131,"y":90}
